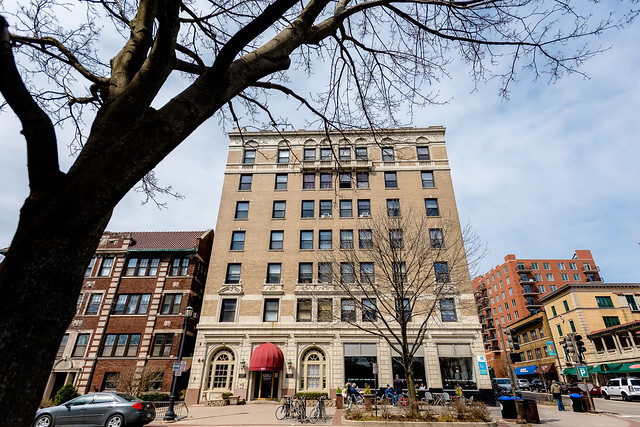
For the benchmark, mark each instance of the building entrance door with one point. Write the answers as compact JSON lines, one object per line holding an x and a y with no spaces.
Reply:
{"x":265,"y":385}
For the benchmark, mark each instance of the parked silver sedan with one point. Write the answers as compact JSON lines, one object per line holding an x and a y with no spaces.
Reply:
{"x":98,"y":409}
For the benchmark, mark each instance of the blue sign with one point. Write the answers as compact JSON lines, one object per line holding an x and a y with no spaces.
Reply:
{"x":551,"y":348}
{"x":526,"y":370}
{"x":482,"y":365}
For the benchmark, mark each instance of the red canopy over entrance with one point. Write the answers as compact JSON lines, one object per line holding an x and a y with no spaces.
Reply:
{"x":266,"y":357}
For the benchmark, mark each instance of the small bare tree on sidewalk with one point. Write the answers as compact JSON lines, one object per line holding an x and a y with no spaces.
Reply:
{"x":404,"y":271}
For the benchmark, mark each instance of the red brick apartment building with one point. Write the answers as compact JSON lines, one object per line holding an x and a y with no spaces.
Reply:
{"x":511,"y":291}
{"x":130,"y":314}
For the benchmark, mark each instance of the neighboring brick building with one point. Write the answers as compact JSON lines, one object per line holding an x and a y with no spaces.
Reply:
{"x":288,"y":199}
{"x":511,"y":291}
{"x":536,"y":357}
{"x":130,"y":313}
{"x":607,"y":316}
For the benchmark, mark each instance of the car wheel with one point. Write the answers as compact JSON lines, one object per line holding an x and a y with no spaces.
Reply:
{"x":116,"y":420}
{"x":43,"y":421}
{"x":625,"y":397}
{"x":605,"y":396}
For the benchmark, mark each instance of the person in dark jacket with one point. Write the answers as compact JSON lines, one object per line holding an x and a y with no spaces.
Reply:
{"x":556,"y":392}
{"x":397,"y":387}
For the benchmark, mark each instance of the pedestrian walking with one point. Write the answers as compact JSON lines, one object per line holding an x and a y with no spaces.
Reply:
{"x":556,"y":392}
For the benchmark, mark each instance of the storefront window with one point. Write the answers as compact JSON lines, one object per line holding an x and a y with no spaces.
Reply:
{"x":418,"y":369}
{"x":456,"y":366}
{"x":358,"y":363}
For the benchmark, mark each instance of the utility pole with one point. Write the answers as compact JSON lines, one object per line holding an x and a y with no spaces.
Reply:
{"x":512,"y":376}
{"x":580,"y":350}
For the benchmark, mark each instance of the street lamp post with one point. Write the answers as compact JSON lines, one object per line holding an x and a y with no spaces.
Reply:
{"x":170,"y":415}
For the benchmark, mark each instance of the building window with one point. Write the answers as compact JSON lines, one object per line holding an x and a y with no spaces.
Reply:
{"x":132,"y":304}
{"x":361,"y":153}
{"x":274,"y":272}
{"x":61,"y":347}
{"x":367,"y":274}
{"x":110,"y":381}
{"x":237,"y":241}
{"x":546,"y":266}
{"x":282,"y":179}
{"x":220,"y":375}
{"x":142,"y":267}
{"x":245,"y":182}
{"x":610,"y":321}
{"x":233,"y":273}
{"x":604,"y":302}
{"x":516,"y":314}
{"x":559,"y":329}
{"x":550,"y":277}
{"x":283,"y":156}
{"x":118,"y":345}
{"x":390,"y":180}
{"x":105,"y":267}
{"x":344,"y":180}
{"x":304,"y":310}
{"x":242,"y":210}
{"x":393,"y":207}
{"x":365,"y":239}
{"x":572,"y":326}
{"x":309,"y":154}
{"x":364,"y":208}
{"x":423,"y":153}
{"x":553,"y":311}
{"x":448,"y":310}
{"x":162,"y":344}
{"x":179,"y":267}
{"x":305,"y":272}
{"x":576,"y":277}
{"x":324,"y":272}
{"x":344,"y":153}
{"x":325,"y":239}
{"x":94,"y":304}
{"x":565,"y":277}
{"x":369,"y":310}
{"x":314,"y":371}
{"x":171,"y":304}
{"x":427,"y":179}
{"x":346,"y":239}
{"x":346,"y":272}
{"x":435,"y":237}
{"x":89,"y":269}
{"x":347,"y":310}
{"x":537,"y":277}
{"x":276,"y":240}
{"x":541,"y":289}
{"x":566,"y":305}
{"x":346,"y":209}
{"x":326,"y":181}
{"x":572,"y":266}
{"x":326,"y":154}
{"x":431,"y":206}
{"x":80,"y":348}
{"x":309,"y":181}
{"x":403,"y":311}
{"x":279,"y":209}
{"x":270,"y":310}
{"x":631,"y":301}
{"x":308,"y":208}
{"x":325,"y":309}
{"x":396,"y":240}
{"x":561,"y":266}
{"x":249,"y":157}
{"x":442,"y":272}
{"x":387,"y":154}
{"x":306,"y":239}
{"x":362,"y":180}
{"x":228,"y":310}
{"x":326,"y":207}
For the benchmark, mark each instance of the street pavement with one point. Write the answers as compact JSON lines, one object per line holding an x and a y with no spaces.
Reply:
{"x":612,"y":413}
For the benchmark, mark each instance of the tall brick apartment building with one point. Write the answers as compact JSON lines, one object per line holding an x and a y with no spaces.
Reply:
{"x":511,"y":291}
{"x":130,"y":313}
{"x":289,"y":198}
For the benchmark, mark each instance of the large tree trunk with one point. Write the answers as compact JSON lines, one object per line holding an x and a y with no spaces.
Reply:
{"x":40,"y":278}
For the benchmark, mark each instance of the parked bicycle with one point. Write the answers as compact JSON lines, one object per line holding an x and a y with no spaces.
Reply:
{"x":289,"y":409}
{"x":319,"y":412}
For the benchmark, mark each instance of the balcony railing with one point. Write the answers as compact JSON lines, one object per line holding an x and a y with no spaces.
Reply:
{"x":524,"y":268}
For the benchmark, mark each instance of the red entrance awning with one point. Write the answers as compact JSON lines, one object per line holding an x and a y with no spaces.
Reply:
{"x":266,"y":357}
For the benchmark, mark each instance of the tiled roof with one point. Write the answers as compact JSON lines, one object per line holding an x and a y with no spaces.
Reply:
{"x":164,"y":239}
{"x":614,"y":328}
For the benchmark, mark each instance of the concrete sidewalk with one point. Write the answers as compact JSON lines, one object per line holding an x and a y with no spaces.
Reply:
{"x":550,"y":416}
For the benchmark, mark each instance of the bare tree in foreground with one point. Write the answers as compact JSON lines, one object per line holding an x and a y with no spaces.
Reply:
{"x":402,"y":278}
{"x":232,"y":56}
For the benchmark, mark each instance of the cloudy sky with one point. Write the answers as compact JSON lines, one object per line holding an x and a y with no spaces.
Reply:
{"x":551,"y":170}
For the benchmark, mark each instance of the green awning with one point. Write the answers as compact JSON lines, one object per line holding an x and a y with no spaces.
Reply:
{"x":630,"y":367}
{"x":607,"y":368}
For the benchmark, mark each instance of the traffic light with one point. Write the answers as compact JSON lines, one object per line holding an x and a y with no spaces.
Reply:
{"x":580,"y":347}
{"x":516,"y":343}
{"x":509,"y":338}
{"x":570,"y":344}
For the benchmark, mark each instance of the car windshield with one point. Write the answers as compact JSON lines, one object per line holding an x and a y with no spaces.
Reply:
{"x":502,"y":381}
{"x":634,"y":382}
{"x":128,"y":397}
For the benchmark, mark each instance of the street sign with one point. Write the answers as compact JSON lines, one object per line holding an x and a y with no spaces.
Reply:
{"x":176,"y":366}
{"x":582,"y":371}
{"x":551,"y":348}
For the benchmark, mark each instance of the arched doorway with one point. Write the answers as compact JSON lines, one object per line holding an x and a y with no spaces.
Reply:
{"x":266,"y":366}
{"x":219,"y":377}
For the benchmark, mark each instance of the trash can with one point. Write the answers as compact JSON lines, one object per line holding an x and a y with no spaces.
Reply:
{"x":508,"y":407}
{"x":531,"y":411}
{"x":577,"y":402}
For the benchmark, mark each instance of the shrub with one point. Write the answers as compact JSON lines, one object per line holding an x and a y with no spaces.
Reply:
{"x":154,"y":397}
{"x":66,"y":393}
{"x":227,"y":395}
{"x":311,"y":396}
{"x":338,"y":390}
